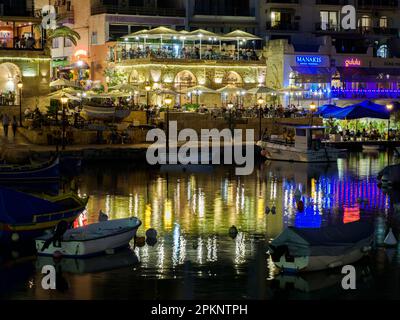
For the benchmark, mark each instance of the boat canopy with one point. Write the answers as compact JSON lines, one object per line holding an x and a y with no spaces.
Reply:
{"x":326,"y":241}
{"x":365,"y":109}
{"x":18,"y":207}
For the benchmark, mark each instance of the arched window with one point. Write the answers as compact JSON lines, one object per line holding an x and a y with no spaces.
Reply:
{"x":383,"y":22}
{"x":382,"y":51}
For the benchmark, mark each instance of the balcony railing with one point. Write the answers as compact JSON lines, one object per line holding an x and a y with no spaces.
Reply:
{"x":146,"y":11}
{"x":294,"y":26}
{"x":378,"y":3}
{"x":28,"y":44}
{"x":327,"y":28}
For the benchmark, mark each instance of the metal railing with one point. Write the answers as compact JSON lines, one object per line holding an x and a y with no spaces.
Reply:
{"x":294,"y":26}
{"x":130,"y":10}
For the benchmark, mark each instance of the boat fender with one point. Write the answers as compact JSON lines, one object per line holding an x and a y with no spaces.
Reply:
{"x":273,"y":210}
{"x":15,"y":237}
{"x":59,"y":231}
{"x":335,"y":264}
{"x":233,"y":232}
{"x":267,"y":210}
{"x":151,"y":233}
{"x":300,"y":206}
{"x":390,"y":239}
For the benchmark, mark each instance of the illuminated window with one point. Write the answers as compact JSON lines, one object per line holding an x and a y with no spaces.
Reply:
{"x":365,"y":22}
{"x":329,"y":20}
{"x":383,"y":22}
{"x":275,"y":18}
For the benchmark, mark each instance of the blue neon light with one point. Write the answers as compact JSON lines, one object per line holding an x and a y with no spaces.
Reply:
{"x":309,"y":60}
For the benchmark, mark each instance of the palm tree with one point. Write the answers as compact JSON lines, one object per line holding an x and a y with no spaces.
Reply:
{"x":60,"y":32}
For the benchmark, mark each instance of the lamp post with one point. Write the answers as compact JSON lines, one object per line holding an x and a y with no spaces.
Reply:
{"x":260,"y":102}
{"x":64,"y":101}
{"x":20,"y":85}
{"x":167,"y":101}
{"x":230,"y":107}
{"x":147,"y":88}
{"x":389,"y":108}
{"x":313,"y":107}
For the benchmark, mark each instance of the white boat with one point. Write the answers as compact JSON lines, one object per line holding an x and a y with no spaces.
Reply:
{"x":90,"y":240}
{"x":307,"y":147}
{"x":299,"y":250}
{"x":121,"y":259}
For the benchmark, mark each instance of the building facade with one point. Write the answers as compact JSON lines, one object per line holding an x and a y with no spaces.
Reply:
{"x":23,"y":57}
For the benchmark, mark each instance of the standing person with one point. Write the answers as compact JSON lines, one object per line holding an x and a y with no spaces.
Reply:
{"x":6,"y":123}
{"x":14,"y":125}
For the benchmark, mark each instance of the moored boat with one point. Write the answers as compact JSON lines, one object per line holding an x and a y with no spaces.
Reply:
{"x":90,"y":240}
{"x":305,"y":147}
{"x":24,"y":216}
{"x":298,"y":250}
{"x":44,"y":171}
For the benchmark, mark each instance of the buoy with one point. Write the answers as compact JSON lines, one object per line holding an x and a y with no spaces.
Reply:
{"x":140,"y":241}
{"x":151,"y":233}
{"x":102,"y":216}
{"x":15,"y":237}
{"x":300,"y":206}
{"x":390,"y":239}
{"x":267,"y":210}
{"x":273,"y":210}
{"x":233,"y":232}
{"x":151,"y":241}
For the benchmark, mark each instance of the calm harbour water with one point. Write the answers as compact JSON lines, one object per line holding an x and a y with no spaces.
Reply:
{"x":195,"y":257}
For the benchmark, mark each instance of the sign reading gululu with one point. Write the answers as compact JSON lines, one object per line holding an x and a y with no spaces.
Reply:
{"x":352,"y":62}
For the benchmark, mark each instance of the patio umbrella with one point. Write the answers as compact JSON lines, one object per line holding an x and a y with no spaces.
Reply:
{"x":125,"y":87}
{"x":166,"y":91}
{"x":261,"y":90}
{"x":200,"y":34}
{"x":200,"y":88}
{"x":358,"y":111}
{"x":239,"y":35}
{"x":327,"y":109}
{"x":59,"y":94}
{"x":230,"y":89}
{"x":63,"y":83}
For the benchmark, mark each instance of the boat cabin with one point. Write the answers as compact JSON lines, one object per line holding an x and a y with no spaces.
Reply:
{"x":308,"y":137}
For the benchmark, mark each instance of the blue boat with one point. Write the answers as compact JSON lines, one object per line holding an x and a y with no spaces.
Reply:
{"x":24,"y":216}
{"x":45,"y":171}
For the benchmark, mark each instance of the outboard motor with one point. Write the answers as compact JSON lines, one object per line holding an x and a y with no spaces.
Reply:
{"x":59,"y":231}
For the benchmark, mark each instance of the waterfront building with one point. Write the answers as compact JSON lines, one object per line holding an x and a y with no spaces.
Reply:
{"x":23,"y":58}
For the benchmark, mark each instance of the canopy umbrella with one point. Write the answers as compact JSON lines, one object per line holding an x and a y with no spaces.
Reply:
{"x":358,"y":111}
{"x":239,"y":35}
{"x":58,"y":95}
{"x":63,"y":83}
{"x":200,"y":34}
{"x":166,"y":91}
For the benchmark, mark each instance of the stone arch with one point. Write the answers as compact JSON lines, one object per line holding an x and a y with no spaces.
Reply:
{"x":10,"y":74}
{"x":185,"y":79}
{"x":232,"y":77}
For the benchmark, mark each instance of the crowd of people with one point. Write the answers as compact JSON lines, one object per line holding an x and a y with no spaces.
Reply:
{"x":7,"y":98}
{"x":210,"y":53}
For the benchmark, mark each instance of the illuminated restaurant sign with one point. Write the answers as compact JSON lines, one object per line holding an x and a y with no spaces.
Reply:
{"x":309,"y":60}
{"x":351,"y":62}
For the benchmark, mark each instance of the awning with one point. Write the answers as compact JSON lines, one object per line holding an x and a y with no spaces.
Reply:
{"x":365,"y":74}
{"x":313,"y":74}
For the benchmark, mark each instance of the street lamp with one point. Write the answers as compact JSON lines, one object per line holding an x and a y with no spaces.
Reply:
{"x":19,"y":86}
{"x":64,"y":101}
{"x":389,"y":108}
{"x":260,"y":102}
{"x":147,"y":87}
{"x":313,"y":107}
{"x":167,"y":101}
{"x":230,"y":107}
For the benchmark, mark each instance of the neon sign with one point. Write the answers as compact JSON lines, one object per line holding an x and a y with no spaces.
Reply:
{"x":309,"y":60}
{"x":352,"y":62}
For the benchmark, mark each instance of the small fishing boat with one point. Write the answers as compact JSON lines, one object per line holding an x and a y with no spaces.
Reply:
{"x":121,"y":259}
{"x":306,"y":146}
{"x":90,"y":240}
{"x":49,"y":170}
{"x":299,"y":250}
{"x":24,"y":216}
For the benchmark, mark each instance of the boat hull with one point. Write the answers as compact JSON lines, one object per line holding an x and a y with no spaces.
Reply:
{"x":288,"y":153}
{"x":89,"y":247}
{"x":32,"y":173}
{"x":317,"y":263}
